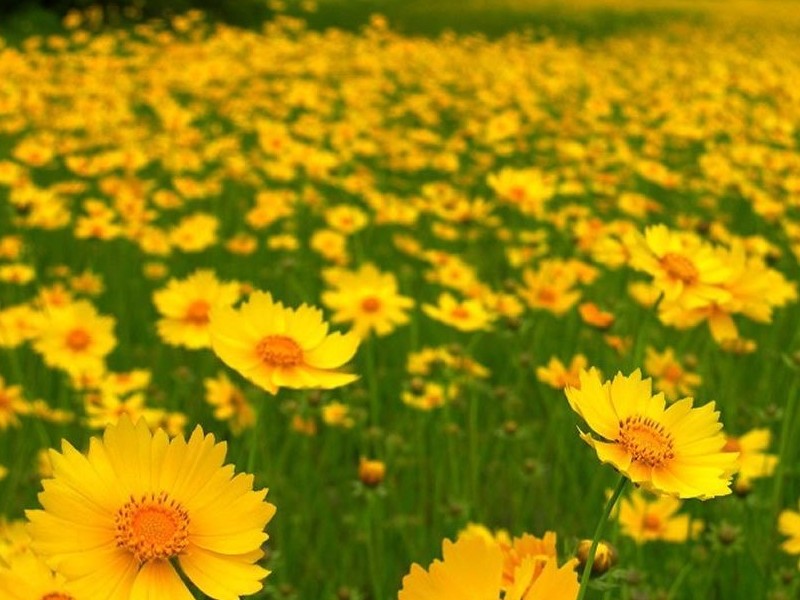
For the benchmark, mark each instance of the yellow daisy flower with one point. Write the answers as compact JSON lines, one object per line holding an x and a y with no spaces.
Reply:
{"x":115,"y":521}
{"x":645,"y":519}
{"x":26,"y":576}
{"x":472,"y":569}
{"x":789,"y":525}
{"x":677,"y":450}
{"x":469,"y":315}
{"x":185,"y":306}
{"x":76,"y":338}
{"x":753,"y":461}
{"x":276,"y":347}
{"x":369,"y":299}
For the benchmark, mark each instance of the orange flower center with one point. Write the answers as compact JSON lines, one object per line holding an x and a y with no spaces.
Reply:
{"x":197,"y":313}
{"x":651,"y":522}
{"x":646,"y":440}
{"x":78,"y":339}
{"x":732,"y":445}
{"x":152,"y":527}
{"x":459,"y":312}
{"x":546,"y":295}
{"x":370,"y":305}
{"x":680,"y":267}
{"x":673,"y":373}
{"x":279,"y":351}
{"x":57,"y":596}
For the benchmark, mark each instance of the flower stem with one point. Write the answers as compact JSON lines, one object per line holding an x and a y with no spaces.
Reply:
{"x":587,"y":570}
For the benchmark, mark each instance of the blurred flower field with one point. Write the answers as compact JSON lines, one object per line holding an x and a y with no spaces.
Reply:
{"x":490,"y":317}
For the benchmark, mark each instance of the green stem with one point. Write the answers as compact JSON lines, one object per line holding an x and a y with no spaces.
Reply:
{"x":255,"y":436}
{"x":372,"y":383}
{"x":587,"y":570}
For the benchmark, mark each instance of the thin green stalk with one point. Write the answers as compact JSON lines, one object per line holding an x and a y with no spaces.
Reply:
{"x":372,"y":383}
{"x":598,"y":532}
{"x":255,"y":436}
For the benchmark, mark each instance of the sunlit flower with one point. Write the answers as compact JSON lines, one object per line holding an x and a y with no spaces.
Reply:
{"x":76,"y":338}
{"x":229,"y":403}
{"x":472,"y":569}
{"x":677,"y":450}
{"x":558,"y":376}
{"x":669,"y":375}
{"x":276,"y":347}
{"x":646,"y":518}
{"x":185,"y":306}
{"x":26,"y":577}
{"x":753,"y":461}
{"x":115,"y":521}
{"x":468,"y":315}
{"x":369,"y":300}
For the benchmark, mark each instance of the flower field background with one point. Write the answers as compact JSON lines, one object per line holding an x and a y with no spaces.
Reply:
{"x":484,"y":201}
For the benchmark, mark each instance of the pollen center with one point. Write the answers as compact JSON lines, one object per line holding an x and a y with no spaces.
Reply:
{"x":673,"y":373}
{"x":459,"y":312}
{"x":197,"y":313}
{"x":152,"y":527}
{"x":370,"y":305}
{"x":651,"y":522}
{"x":78,"y":339}
{"x":680,"y":267}
{"x":646,"y":441}
{"x":56,"y":596}
{"x":279,"y":350}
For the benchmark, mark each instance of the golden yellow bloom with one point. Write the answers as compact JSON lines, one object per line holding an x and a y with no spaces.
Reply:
{"x":670,"y":376}
{"x":472,"y":569}
{"x":12,"y":404}
{"x":114,"y":521}
{"x":558,"y":376}
{"x":753,"y":461}
{"x":229,"y":403}
{"x":27,"y":577}
{"x":371,"y":472}
{"x":75,"y":338}
{"x":19,"y":324}
{"x":789,"y":525}
{"x":185,"y":306}
{"x":369,"y":299}
{"x":276,"y":347}
{"x":677,"y":450}
{"x":645,"y":518}
{"x":336,"y":414}
{"x":469,"y":315}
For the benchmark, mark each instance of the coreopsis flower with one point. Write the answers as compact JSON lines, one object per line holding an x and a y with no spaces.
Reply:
{"x":593,"y":315}
{"x":117,"y":521}
{"x":25,"y":576}
{"x":76,"y":338}
{"x":472,"y":569}
{"x":526,"y":189}
{"x":12,"y":404}
{"x":676,"y":450}
{"x":185,"y":306}
{"x":468,"y":315}
{"x":669,"y":375}
{"x":19,"y":324}
{"x":274,"y":346}
{"x":647,"y":518}
{"x":229,"y":403}
{"x":558,"y":376}
{"x":337,"y":414}
{"x":550,"y":288}
{"x":753,"y":461}
{"x":371,"y":472}
{"x":789,"y":525}
{"x":684,"y":268}
{"x":369,"y":300}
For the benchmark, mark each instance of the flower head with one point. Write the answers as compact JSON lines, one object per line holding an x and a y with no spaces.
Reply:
{"x":274,"y":346}
{"x":115,"y":520}
{"x":677,"y":450}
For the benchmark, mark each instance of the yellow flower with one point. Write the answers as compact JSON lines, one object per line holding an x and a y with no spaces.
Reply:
{"x":27,"y":577}
{"x":76,"y":338}
{"x":336,"y":414}
{"x":472,"y":569}
{"x":369,"y":299}
{"x":185,"y":306}
{"x":12,"y":404}
{"x":789,"y":524}
{"x":469,"y":315}
{"x":114,"y":521}
{"x":229,"y":403}
{"x":276,"y":347}
{"x":558,"y":376}
{"x":670,"y":377}
{"x":753,"y":462}
{"x":645,"y":518}
{"x":676,"y":450}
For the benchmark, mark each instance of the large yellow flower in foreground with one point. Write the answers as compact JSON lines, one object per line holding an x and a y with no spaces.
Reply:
{"x":472,"y":569}
{"x":117,"y":520}
{"x":276,"y":347}
{"x":677,"y":450}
